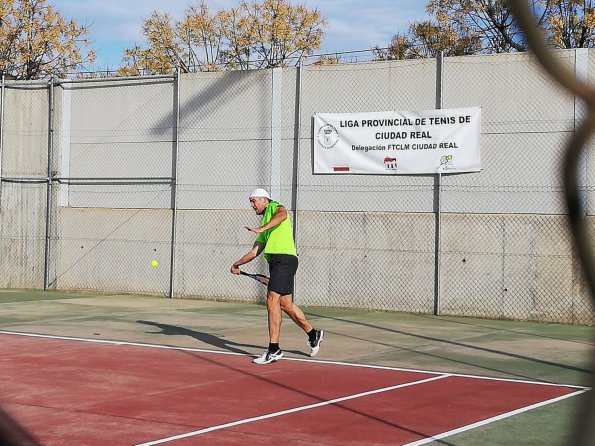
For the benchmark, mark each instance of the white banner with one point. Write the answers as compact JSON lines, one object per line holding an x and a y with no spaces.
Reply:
{"x":398,"y":142}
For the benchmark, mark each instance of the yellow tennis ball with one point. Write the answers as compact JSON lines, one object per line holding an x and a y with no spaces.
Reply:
{"x":154,"y":264}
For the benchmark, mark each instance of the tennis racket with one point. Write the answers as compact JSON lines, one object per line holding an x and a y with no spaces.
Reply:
{"x":260,"y":278}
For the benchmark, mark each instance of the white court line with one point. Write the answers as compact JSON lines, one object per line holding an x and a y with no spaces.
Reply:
{"x":440,"y":375}
{"x":433,"y":372}
{"x":133,"y":344}
{"x":317,"y":361}
{"x":288,"y":411}
{"x":491,"y":420}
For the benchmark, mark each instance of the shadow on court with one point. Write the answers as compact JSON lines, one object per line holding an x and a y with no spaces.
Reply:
{"x":499,"y":329}
{"x":505,"y":349}
{"x":458,"y":344}
{"x":215,"y":341}
{"x":210,"y":339}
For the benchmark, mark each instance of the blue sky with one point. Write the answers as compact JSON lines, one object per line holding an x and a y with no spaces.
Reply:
{"x":116,"y":24}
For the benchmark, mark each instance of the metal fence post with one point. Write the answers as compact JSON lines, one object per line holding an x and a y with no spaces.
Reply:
{"x":438,"y":250}
{"x":174,"y":184}
{"x":48,"y":195}
{"x":296,"y":151}
{"x":276,"y":132}
{"x":296,"y":157}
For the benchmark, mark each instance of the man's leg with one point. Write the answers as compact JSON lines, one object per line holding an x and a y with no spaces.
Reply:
{"x":294,"y":312}
{"x":315,"y":337}
{"x":274,"y":315}
{"x":273,"y":352}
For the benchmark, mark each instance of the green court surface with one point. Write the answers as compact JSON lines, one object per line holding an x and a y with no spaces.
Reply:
{"x":525,"y":351}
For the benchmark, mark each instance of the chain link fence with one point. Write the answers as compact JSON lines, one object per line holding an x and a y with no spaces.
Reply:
{"x":101,"y":177}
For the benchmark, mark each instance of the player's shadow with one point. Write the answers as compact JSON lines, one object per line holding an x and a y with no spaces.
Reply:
{"x":207,"y":338}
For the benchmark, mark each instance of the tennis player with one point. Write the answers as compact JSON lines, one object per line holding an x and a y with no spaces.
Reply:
{"x":275,"y":238}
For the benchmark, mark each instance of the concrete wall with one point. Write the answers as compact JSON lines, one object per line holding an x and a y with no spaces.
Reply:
{"x":111,"y":250}
{"x":374,"y":242}
{"x":505,"y":265}
{"x":22,"y":235}
{"x":24,"y":133}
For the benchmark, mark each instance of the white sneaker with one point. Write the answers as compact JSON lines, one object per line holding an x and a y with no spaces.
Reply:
{"x":267,"y":357}
{"x":315,"y":344}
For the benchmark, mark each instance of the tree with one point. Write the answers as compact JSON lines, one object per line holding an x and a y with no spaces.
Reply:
{"x":571,"y":24}
{"x":276,"y":33}
{"x":253,"y":35}
{"x":487,"y":26}
{"x":37,"y":42}
{"x":428,"y":39}
{"x":192,"y":44}
{"x":491,"y":21}
{"x":202,"y":30}
{"x":326,"y":60}
{"x":165,"y":51}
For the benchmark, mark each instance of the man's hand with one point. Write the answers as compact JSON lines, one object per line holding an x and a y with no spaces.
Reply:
{"x":255,"y":230}
{"x":257,"y":248}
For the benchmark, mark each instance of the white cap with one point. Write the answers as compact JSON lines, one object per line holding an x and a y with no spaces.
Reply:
{"x":260,"y":193}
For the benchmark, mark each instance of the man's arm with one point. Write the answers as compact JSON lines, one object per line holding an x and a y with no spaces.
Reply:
{"x":278,"y":217}
{"x":257,"y":248}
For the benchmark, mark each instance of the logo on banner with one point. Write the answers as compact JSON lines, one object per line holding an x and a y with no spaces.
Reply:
{"x":328,"y":136}
{"x":390,"y":163}
{"x":341,"y":165}
{"x":446,"y":163}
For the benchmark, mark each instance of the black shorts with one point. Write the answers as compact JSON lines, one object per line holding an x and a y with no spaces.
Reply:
{"x":282,"y":269}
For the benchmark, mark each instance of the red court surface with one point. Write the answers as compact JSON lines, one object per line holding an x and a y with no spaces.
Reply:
{"x":77,"y":392}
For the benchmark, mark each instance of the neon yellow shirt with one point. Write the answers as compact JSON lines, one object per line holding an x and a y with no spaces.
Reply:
{"x":278,"y":239}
